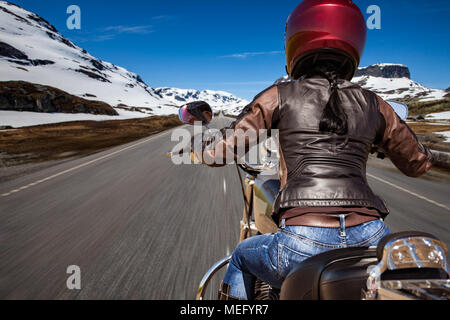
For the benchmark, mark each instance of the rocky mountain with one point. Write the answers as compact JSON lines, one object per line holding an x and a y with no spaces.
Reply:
{"x":27,"y":97}
{"x":384,"y":70}
{"x":32,"y":50}
{"x":391,"y":81}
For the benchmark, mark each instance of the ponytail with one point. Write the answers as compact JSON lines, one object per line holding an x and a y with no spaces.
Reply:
{"x":334,"y":119}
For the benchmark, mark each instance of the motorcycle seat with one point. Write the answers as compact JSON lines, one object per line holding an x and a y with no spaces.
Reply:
{"x":333,"y":275}
{"x":342,"y":274}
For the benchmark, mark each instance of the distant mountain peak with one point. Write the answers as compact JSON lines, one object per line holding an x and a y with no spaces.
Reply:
{"x":393,"y":81}
{"x":384,"y":70}
{"x":219,"y":100}
{"x":390,"y":81}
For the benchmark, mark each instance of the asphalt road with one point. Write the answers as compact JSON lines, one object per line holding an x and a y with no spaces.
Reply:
{"x":140,"y":227}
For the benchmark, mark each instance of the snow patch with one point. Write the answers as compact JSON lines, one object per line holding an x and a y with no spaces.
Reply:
{"x":398,"y":88}
{"x":439,"y":116}
{"x":19,"y":119}
{"x":446,"y":134}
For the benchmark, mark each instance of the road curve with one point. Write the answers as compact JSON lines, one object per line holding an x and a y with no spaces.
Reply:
{"x":140,"y":227}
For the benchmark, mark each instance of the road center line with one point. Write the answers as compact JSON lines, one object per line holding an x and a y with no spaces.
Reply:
{"x":408,"y":191}
{"x":75,"y":168}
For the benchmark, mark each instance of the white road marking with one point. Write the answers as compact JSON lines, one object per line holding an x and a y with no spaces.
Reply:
{"x":224,"y":186}
{"x":78,"y":167}
{"x":410,"y":192}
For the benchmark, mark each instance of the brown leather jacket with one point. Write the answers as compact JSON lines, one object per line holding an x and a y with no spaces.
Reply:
{"x":328,"y":170}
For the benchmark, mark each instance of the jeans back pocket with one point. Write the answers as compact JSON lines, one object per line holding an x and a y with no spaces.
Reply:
{"x":289,"y":259}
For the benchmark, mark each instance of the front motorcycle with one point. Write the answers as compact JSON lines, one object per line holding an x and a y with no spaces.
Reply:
{"x":404,"y":266}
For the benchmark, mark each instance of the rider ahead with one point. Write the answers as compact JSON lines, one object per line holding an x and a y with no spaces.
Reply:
{"x":327,"y":127}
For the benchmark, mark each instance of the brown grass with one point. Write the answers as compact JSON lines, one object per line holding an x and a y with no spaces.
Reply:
{"x":80,"y":138}
{"x":417,"y":107}
{"x":424,"y":128}
{"x":429,"y":135}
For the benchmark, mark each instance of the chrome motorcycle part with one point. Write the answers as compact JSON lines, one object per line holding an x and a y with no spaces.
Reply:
{"x":407,"y":252}
{"x":414,"y":290}
{"x":208,"y":276}
{"x":252,"y":227}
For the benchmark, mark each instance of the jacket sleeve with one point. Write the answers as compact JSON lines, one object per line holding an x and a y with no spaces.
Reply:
{"x":241,"y":135}
{"x":401,"y":145}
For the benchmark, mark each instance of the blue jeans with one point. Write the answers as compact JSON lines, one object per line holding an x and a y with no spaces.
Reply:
{"x":272,"y":257}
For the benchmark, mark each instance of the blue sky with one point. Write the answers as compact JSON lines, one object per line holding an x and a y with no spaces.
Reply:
{"x":238,"y":46}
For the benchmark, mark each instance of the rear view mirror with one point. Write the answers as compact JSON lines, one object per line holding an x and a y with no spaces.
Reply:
{"x":196,"y":111}
{"x":400,"y":109}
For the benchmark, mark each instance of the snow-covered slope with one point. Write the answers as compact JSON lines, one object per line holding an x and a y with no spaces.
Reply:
{"x":26,"y":39}
{"x":219,"y":100}
{"x":445,"y":115}
{"x":399,"y":88}
{"x":392,"y":81}
{"x":32,"y":50}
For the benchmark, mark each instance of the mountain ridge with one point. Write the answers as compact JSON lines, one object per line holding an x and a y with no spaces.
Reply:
{"x":384,"y":70}
{"x":391,"y":81}
{"x":32,"y":50}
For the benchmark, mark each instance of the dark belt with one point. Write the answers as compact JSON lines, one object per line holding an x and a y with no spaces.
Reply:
{"x":323,"y":220}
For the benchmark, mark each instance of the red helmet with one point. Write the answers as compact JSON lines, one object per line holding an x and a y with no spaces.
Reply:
{"x":325,"y":30}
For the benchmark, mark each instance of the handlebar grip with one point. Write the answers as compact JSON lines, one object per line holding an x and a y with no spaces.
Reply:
{"x":178,"y":153}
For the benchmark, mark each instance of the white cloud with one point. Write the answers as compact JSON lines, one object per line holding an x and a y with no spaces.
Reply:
{"x":146,"y":29}
{"x":245,"y":83}
{"x":245,"y":55}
